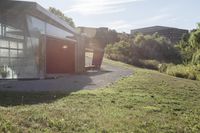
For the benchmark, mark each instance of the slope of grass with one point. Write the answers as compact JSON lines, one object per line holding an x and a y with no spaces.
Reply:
{"x":147,"y":101}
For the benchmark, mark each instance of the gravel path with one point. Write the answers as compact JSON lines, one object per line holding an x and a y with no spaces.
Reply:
{"x":70,"y":83}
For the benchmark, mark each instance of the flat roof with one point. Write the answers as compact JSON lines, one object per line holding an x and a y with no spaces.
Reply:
{"x":36,"y":10}
{"x":155,"y":28}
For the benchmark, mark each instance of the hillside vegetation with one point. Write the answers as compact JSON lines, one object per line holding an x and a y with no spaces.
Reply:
{"x":147,"y":101}
{"x":157,"y":52}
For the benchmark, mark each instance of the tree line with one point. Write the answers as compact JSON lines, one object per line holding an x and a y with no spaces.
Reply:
{"x":157,"y":52}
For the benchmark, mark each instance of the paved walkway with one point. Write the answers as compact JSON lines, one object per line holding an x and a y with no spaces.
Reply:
{"x":70,"y":83}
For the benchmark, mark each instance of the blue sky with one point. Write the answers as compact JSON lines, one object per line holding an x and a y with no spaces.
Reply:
{"x":124,"y":15}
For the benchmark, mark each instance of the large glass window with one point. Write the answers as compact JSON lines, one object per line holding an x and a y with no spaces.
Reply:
{"x":4,"y":52}
{"x":36,"y":27}
{"x":11,"y":51}
{"x":56,"y":32}
{"x":13,"y":45}
{"x":13,"y":33}
{"x":4,"y":44}
{"x":20,"y":45}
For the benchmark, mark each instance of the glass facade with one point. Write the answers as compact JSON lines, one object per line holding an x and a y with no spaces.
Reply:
{"x":35,"y":29}
{"x":21,"y":54}
{"x":0,"y":30}
{"x":56,"y":32}
{"x":11,"y":48}
{"x":19,"y":50}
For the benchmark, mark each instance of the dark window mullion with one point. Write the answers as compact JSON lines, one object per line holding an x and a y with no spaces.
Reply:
{"x":10,"y":48}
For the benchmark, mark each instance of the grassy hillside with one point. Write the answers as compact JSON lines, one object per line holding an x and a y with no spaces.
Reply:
{"x":147,"y":101}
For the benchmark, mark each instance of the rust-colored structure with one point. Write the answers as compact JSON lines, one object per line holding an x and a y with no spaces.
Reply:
{"x":60,"y":56}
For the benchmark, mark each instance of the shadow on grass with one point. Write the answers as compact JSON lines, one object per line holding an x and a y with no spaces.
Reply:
{"x":29,"y":98}
{"x":10,"y":96}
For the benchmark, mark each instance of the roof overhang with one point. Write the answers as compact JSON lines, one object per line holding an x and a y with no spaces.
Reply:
{"x":36,"y":10}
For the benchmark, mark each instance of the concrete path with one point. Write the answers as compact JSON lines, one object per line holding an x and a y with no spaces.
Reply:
{"x":69,"y":83}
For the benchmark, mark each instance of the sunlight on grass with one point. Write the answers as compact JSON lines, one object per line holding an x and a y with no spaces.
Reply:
{"x":147,"y":101}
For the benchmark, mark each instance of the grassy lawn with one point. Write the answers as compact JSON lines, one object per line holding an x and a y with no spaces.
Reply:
{"x":147,"y":101}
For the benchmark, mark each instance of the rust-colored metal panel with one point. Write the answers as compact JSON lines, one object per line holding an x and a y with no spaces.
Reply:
{"x":60,"y":56}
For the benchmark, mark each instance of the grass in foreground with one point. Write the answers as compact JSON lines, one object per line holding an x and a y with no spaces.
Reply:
{"x":147,"y":101}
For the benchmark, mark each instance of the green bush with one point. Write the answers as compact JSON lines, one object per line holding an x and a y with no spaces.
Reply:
{"x":196,"y":58}
{"x":188,"y":72}
{"x":186,"y":52}
{"x":142,"y":50}
{"x":189,"y":47}
{"x":162,"y":68}
{"x":150,"y":64}
{"x":194,"y":39}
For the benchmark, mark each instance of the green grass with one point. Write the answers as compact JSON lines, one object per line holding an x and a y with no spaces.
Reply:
{"x":147,"y":101}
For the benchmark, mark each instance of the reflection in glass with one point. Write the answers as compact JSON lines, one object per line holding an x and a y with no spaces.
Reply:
{"x":13,"y":53}
{"x":4,"y":53}
{"x":20,"y":46}
{"x":4,"y":61}
{"x":13,"y":33}
{"x":4,"y":44}
{"x":35,"y":26}
{"x":57,"y":32}
{"x":13,"y":45}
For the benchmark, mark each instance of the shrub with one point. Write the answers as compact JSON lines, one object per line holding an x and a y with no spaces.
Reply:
{"x":196,"y":58}
{"x":194,"y":39}
{"x":162,"y":68}
{"x":150,"y":64}
{"x":143,"y":47}
{"x":188,"y":72}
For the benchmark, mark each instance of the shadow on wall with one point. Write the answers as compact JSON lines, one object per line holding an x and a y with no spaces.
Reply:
{"x":13,"y":93}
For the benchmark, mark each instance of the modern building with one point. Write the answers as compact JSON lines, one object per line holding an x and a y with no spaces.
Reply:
{"x":35,"y":43}
{"x":173,"y":34}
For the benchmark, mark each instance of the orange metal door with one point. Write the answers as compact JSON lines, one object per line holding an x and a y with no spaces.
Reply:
{"x":60,"y":56}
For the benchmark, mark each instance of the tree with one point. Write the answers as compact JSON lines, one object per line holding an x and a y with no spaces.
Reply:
{"x":112,"y":37}
{"x":143,"y":47}
{"x":61,"y":15}
{"x":195,"y":39}
{"x":198,"y":25}
{"x":189,"y":46}
{"x":104,"y":36}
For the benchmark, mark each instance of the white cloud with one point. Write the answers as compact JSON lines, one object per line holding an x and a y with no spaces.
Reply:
{"x":95,"y":7}
{"x":158,"y":17}
{"x":124,"y":26}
